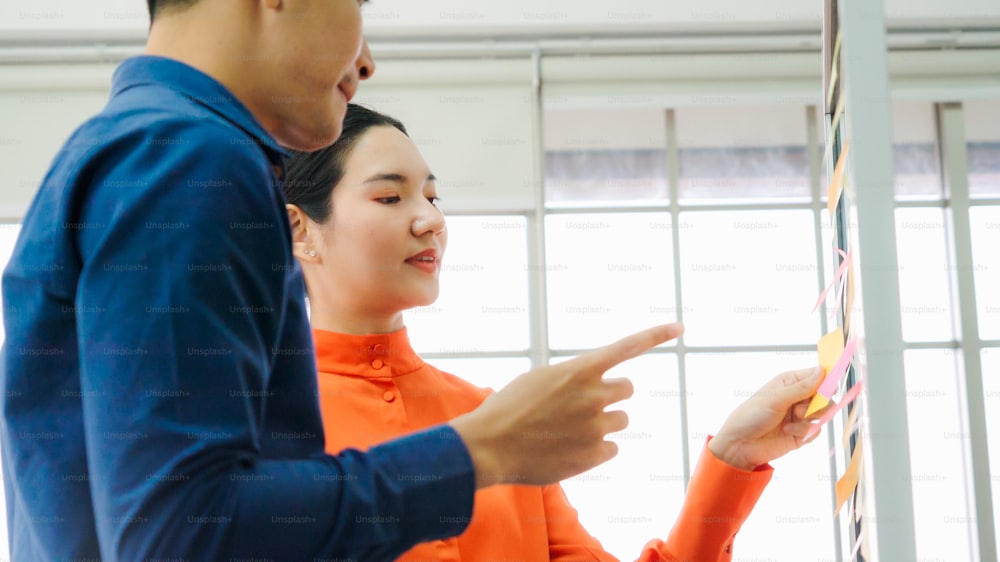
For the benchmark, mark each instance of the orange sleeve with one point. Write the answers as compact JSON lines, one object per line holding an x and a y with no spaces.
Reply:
{"x":719,"y":499}
{"x":568,"y":540}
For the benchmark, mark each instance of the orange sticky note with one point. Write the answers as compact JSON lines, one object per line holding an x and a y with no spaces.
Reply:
{"x":849,"y":481}
{"x":830,"y":348}
{"x":837,"y":181}
{"x":818,"y":403}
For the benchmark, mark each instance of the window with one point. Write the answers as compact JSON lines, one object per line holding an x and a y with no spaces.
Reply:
{"x":730,"y":154}
{"x":938,"y":450}
{"x":748,"y":277}
{"x":610,"y":157}
{"x":608,"y":274}
{"x":739,"y":279}
{"x":984,"y":223}
{"x":483,"y":304}
{"x":991,"y":391}
{"x":918,"y":175}
{"x":982,"y":130}
{"x":8,"y":237}
{"x":924,"y":275}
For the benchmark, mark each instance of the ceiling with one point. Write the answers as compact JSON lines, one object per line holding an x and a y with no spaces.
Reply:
{"x":62,"y":20}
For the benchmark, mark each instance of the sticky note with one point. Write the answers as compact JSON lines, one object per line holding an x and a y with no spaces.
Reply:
{"x":832,"y":381}
{"x":830,"y":348}
{"x":857,"y":545}
{"x":837,"y":180}
{"x":834,"y":124}
{"x":849,"y":481}
{"x":849,"y":304}
{"x":818,"y":403}
{"x":839,"y":276}
{"x":849,"y":397}
{"x":834,"y":67}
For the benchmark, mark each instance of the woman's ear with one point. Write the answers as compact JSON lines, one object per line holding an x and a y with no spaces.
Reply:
{"x":302,"y":243}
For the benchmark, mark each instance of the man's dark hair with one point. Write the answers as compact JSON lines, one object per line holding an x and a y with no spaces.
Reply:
{"x":159,"y":6}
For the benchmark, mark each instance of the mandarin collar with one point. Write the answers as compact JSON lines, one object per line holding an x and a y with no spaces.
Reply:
{"x":370,"y":356}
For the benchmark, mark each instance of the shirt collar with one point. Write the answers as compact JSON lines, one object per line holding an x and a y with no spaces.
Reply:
{"x":369,"y":356}
{"x":197,"y":86}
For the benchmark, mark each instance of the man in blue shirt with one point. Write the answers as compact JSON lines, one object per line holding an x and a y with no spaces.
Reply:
{"x":159,"y":386}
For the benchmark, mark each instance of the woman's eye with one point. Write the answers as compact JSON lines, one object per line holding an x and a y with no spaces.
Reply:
{"x":434,"y":200}
{"x":388,"y":200}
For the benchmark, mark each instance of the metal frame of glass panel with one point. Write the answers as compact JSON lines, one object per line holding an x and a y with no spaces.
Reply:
{"x":954,"y":169}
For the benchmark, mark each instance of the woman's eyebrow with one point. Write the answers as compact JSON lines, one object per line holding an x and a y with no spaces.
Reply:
{"x":394,"y":177}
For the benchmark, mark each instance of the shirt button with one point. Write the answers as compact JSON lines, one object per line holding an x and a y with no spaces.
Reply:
{"x":389,"y":396}
{"x":378,"y":364}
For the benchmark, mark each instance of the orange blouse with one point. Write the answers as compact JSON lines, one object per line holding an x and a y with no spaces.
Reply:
{"x":374,"y":388}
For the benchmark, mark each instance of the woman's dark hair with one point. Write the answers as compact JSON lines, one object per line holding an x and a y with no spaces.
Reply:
{"x":311,"y":176}
{"x":159,"y":6}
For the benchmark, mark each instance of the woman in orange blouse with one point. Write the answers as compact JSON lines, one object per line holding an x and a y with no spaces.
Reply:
{"x":372,"y":248}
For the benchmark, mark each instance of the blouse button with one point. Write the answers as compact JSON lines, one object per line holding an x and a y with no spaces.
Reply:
{"x":389,"y":396}
{"x":378,"y":364}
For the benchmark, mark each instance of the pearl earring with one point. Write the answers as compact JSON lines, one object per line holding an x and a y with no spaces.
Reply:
{"x":311,"y":253}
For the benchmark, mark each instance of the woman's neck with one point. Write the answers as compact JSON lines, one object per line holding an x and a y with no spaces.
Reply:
{"x":352,"y":321}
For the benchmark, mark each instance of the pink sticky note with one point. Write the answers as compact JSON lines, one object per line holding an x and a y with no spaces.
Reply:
{"x":832,"y":381}
{"x":830,"y":348}
{"x":857,"y":545}
{"x":838,"y":276}
{"x":849,"y":397}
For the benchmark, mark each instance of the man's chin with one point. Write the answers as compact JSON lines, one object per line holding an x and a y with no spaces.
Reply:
{"x":309,"y":140}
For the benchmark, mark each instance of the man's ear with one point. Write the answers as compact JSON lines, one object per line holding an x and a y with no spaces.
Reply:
{"x":302,"y":243}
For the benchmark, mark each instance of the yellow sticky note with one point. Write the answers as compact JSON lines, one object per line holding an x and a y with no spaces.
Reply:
{"x":830,"y":348}
{"x":837,"y":181}
{"x":849,"y":481}
{"x":818,"y":403}
{"x":834,"y":67}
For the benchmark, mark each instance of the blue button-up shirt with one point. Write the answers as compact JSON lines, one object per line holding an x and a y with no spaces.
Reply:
{"x":159,"y":384}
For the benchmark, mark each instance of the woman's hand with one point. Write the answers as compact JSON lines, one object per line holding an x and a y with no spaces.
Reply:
{"x":770,"y":423}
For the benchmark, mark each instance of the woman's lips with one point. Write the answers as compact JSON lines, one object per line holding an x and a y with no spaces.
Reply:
{"x":425,"y":261}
